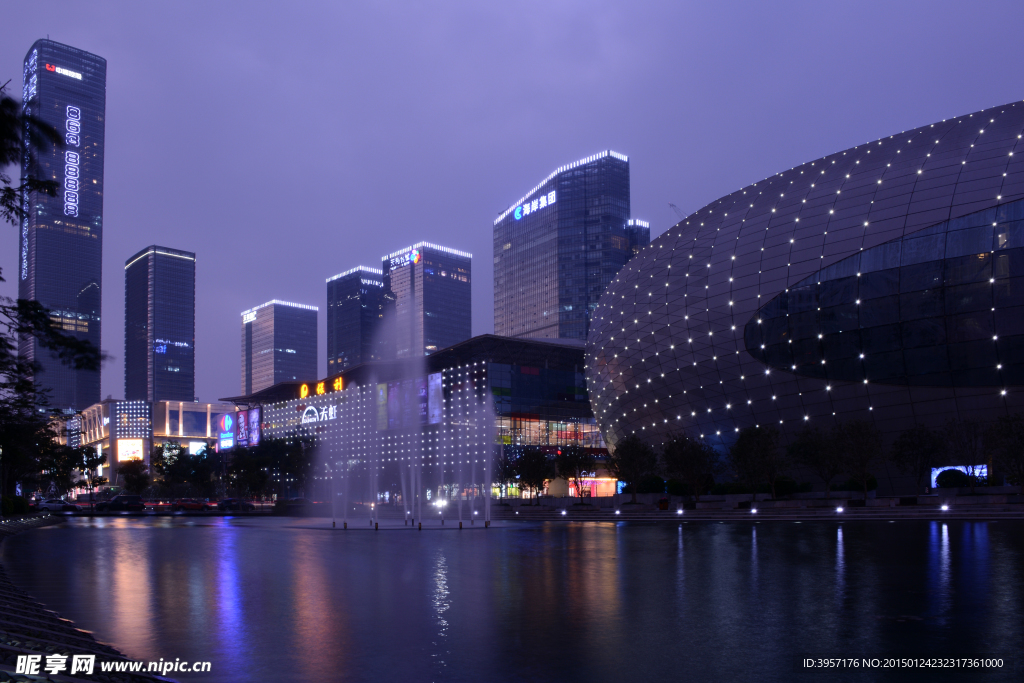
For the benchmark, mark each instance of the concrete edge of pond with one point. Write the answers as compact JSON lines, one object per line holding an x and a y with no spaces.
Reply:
{"x":28,"y":628}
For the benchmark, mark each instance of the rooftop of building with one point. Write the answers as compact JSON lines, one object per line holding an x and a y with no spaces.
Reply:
{"x":165,"y":251}
{"x":277,"y":302}
{"x":357,"y":269}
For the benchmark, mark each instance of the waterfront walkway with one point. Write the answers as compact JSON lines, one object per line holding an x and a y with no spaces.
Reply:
{"x":28,"y":628}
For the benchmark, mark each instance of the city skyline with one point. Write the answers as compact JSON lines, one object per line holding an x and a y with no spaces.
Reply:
{"x":439,"y":155}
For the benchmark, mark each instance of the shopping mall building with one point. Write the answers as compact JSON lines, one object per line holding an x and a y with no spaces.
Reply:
{"x":448,"y":415}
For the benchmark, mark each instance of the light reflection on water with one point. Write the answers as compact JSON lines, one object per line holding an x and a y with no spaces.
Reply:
{"x":272,"y":599}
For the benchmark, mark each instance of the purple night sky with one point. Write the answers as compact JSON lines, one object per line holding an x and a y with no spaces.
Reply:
{"x":287,"y":142}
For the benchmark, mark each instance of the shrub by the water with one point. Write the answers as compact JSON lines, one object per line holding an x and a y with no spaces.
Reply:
{"x":651,"y":483}
{"x":952,"y":479}
{"x":15,"y":505}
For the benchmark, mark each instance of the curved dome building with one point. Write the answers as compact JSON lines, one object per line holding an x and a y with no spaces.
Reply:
{"x":884,"y":282}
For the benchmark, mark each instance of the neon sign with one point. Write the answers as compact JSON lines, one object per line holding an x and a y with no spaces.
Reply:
{"x":248,"y":317}
{"x":412,"y":257}
{"x":526,"y":208}
{"x":71,"y":160}
{"x":311,"y":414}
{"x":64,"y":72}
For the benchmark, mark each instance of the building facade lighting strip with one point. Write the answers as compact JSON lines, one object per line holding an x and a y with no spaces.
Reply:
{"x":562,"y":169}
{"x":364,"y":269}
{"x":427,"y":245}
{"x":280,"y":303}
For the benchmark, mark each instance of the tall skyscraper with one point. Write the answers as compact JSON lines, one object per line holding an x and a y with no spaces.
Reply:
{"x":355,"y":309}
{"x":278,"y":344}
{"x":432,"y":289}
{"x":160,"y":325}
{"x":60,"y":245}
{"x":557,"y":248}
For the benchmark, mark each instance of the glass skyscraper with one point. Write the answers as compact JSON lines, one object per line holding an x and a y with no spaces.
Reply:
{"x":60,"y":242}
{"x":355,"y":308}
{"x":278,"y":344}
{"x":160,"y":325}
{"x":556,"y":249}
{"x":431,"y":286}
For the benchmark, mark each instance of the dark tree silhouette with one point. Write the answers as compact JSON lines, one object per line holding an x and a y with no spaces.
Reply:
{"x":860,"y":444}
{"x":572,"y":462}
{"x":535,"y":468}
{"x":692,"y":461}
{"x":916,"y":451}
{"x":135,"y":475}
{"x":816,"y":450}
{"x":964,"y":445}
{"x":1005,"y":441}
{"x":756,"y":458}
{"x":631,"y":460}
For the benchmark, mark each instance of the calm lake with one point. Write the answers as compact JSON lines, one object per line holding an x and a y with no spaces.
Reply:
{"x":280,"y":600}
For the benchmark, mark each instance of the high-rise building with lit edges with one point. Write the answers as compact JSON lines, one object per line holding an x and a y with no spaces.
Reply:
{"x":61,"y":240}
{"x":278,"y":344}
{"x":557,"y":248}
{"x":160,"y":325}
{"x":431,"y":285}
{"x":355,"y":309}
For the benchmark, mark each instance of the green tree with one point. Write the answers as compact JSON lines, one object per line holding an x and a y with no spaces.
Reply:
{"x":249,"y":470}
{"x":692,"y":461}
{"x":964,"y":445}
{"x":1005,"y":441}
{"x":816,"y":450}
{"x":756,"y":458}
{"x":88,"y":465}
{"x":916,"y":451}
{"x":135,"y":475}
{"x":22,"y":135}
{"x":860,"y":444}
{"x":171,"y":463}
{"x":57,"y":467}
{"x":505,"y":468}
{"x":630,"y":460}
{"x":24,"y":428}
{"x":572,"y":462}
{"x":534,"y":469}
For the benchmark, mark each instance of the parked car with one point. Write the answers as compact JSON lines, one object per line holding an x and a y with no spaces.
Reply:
{"x":235,"y":504}
{"x":58,"y":505}
{"x":184,"y":504}
{"x":122,"y":503}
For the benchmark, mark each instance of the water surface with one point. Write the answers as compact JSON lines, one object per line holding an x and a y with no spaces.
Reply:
{"x":276,"y":600}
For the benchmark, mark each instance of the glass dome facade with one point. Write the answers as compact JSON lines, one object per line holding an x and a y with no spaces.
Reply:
{"x":884,"y":282}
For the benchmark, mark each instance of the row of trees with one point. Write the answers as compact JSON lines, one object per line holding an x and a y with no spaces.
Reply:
{"x":854,"y":449}
{"x":281,"y":466}
{"x":530,"y":468}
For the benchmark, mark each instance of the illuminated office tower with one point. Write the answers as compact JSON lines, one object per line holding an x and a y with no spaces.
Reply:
{"x":557,"y":248}
{"x":278,"y":344}
{"x":160,"y":325}
{"x":432,"y":298}
{"x":355,"y":308}
{"x":60,"y":241}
